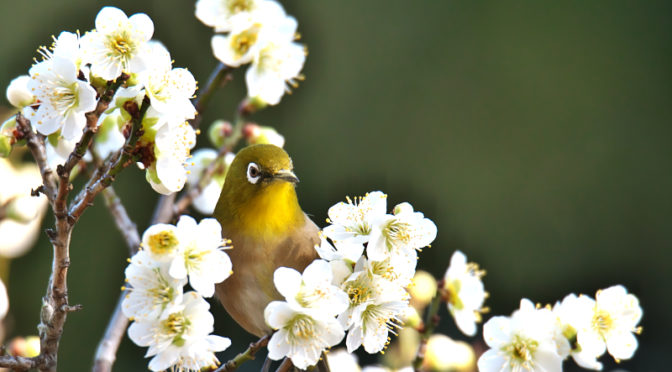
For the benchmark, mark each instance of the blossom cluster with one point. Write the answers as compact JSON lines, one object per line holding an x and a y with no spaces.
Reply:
{"x":258,"y":32}
{"x":75,"y":70}
{"x":367,"y":259}
{"x":536,"y":338}
{"x":176,"y":326}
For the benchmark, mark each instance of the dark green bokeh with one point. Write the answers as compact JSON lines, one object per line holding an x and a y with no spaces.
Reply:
{"x":536,"y":136}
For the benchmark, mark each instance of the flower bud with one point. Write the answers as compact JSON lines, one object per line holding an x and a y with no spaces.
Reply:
{"x":411,"y":317}
{"x":423,"y":289}
{"x":256,"y":134}
{"x":17,"y":92}
{"x":32,"y":346}
{"x":218,"y":131}
{"x":7,"y":137}
{"x":445,"y":354}
{"x":25,"y":347}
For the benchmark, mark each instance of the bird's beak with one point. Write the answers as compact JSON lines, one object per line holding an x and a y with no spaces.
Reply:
{"x":286,"y":175}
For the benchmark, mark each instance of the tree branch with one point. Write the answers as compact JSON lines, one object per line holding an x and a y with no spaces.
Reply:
{"x":243,"y":357}
{"x":36,"y":145}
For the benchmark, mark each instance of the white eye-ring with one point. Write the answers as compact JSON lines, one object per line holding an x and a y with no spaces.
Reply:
{"x":253,"y":173}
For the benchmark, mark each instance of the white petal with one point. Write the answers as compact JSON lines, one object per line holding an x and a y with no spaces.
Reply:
{"x":491,"y":361}
{"x":163,"y":361}
{"x":278,"y":347}
{"x":110,"y":18}
{"x":622,"y":345}
{"x":143,"y":25}
{"x":277,"y":314}
{"x":178,"y":270}
{"x":287,"y":281}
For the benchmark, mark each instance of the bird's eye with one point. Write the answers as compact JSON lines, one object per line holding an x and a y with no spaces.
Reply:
{"x":253,"y":173}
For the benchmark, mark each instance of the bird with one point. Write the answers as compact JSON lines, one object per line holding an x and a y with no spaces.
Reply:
{"x":259,"y":212}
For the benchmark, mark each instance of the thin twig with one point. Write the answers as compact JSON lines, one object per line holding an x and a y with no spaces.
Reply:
{"x":36,"y":145}
{"x":243,"y":357}
{"x":285,"y":366}
{"x":430,"y":323}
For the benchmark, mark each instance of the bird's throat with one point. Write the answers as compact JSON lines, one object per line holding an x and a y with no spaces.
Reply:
{"x":274,"y":211}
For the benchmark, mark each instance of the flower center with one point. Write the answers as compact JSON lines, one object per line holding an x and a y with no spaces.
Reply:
{"x":242,"y":42}
{"x":358,"y":291}
{"x":237,"y":6}
{"x":521,"y":352}
{"x":194,"y":257}
{"x":120,"y":48}
{"x":396,"y":232}
{"x":453,"y":289}
{"x":64,"y":97}
{"x":163,"y":293}
{"x":175,"y":326}
{"x":301,"y":327}
{"x":602,"y":321}
{"x":163,"y":242}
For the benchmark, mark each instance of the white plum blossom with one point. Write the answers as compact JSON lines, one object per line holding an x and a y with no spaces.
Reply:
{"x":169,"y":89}
{"x":64,"y":99}
{"x":302,"y":334}
{"x":375,"y":308}
{"x":201,"y":256}
{"x":608,"y":323}
{"x":172,"y":146}
{"x":353,"y":221}
{"x":250,"y":31}
{"x":152,"y":290}
{"x":218,"y":13}
{"x":465,"y":292}
{"x":18,"y":94}
{"x":279,"y":62}
{"x":522,"y":342}
{"x":373,"y":321}
{"x":569,"y":314}
{"x":181,"y":338}
{"x":403,"y":231}
{"x":118,"y":44}
{"x":162,"y":242}
{"x":313,"y":289}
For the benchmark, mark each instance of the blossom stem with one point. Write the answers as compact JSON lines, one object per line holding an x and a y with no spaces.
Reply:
{"x":243,"y":357}
{"x":430,"y":323}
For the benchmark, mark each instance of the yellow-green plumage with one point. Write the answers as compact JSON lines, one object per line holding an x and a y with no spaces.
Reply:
{"x":267,"y":228}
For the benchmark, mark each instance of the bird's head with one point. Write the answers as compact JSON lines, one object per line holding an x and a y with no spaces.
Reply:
{"x":260,"y":181}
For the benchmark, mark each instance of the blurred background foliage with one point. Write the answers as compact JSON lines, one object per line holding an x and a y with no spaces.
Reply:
{"x":535,"y":134}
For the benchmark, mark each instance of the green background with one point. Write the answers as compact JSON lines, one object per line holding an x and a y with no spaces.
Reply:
{"x":535,"y":134}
